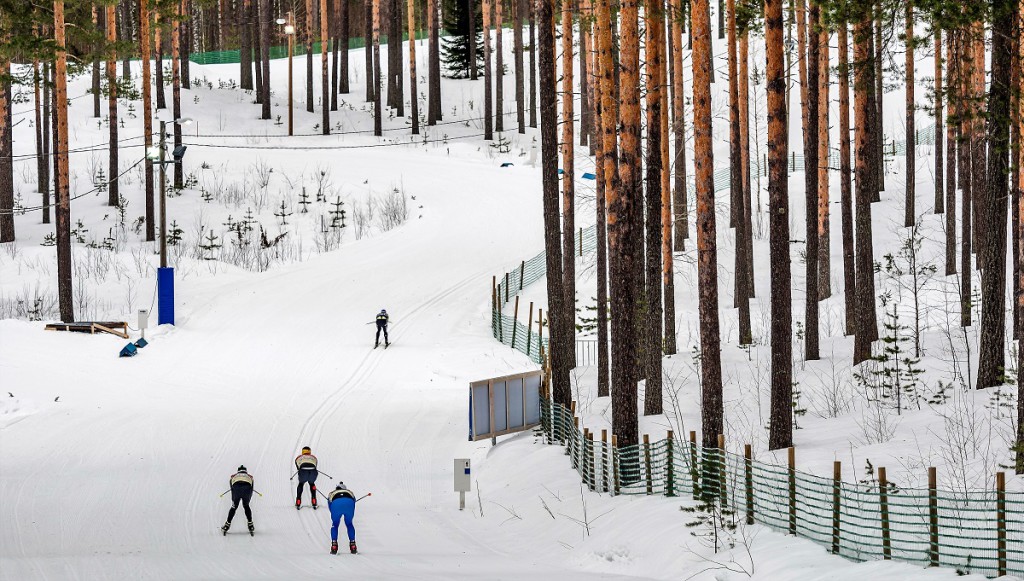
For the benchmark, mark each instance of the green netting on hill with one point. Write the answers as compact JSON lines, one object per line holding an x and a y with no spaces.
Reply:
{"x":220,"y":57}
{"x":975,"y":532}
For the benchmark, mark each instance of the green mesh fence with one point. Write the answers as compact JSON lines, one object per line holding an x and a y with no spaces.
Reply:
{"x":978,"y":532}
{"x":220,"y":57}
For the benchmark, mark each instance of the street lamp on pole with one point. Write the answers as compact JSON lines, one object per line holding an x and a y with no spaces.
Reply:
{"x":165,"y":275}
{"x":289,"y":30}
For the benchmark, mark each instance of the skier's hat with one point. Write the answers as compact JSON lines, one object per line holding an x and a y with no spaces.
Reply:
{"x":241,"y":468}
{"x":306,"y":450}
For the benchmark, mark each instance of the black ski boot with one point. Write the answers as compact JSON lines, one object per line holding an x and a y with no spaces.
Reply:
{"x":352,"y":547}
{"x":225,"y":528}
{"x":334,"y":547}
{"x":252,"y":530}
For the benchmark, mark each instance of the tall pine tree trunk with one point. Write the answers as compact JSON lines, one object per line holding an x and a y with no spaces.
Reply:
{"x":745,"y":192}
{"x":951,"y":156}
{"x":434,"y":58}
{"x":335,"y":29}
{"x":395,"y":77}
{"x":6,"y":146}
{"x":368,"y":9}
{"x":741,"y":292}
{"x":499,"y":70}
{"x":325,"y":88}
{"x":113,"y":195}
{"x":667,"y":269}
{"x":41,"y":158}
{"x":864,"y":83}
{"x":517,"y":49}
{"x":147,"y":118}
{"x":811,"y":187}
{"x":413,"y":98}
{"x":910,"y":209}
{"x":377,"y":104}
{"x":624,"y":232}
{"x":161,"y":97}
{"x":607,"y":171}
{"x":309,"y":55}
{"x":780,"y":433}
{"x":244,"y":23}
{"x":991,"y":365}
{"x":879,"y":80}
{"x":345,"y":24}
{"x":824,"y":232}
{"x":940,"y":206}
{"x":265,"y":17}
{"x":179,"y":177}
{"x":707,"y":253}
{"x":845,"y":182}
{"x":60,"y":147}
{"x":680,"y":194}
{"x":47,"y":135}
{"x":558,"y":307}
{"x":966,"y":171}
{"x":533,"y":66}
{"x":568,"y":165}
{"x":97,"y":25}
{"x":654,"y":27}
{"x":488,"y":112}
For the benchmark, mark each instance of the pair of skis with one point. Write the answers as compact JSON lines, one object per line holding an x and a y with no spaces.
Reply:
{"x":252,"y":529}
{"x":386,"y":345}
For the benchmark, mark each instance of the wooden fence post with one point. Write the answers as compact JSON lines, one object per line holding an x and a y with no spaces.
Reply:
{"x":522,"y":273}
{"x":883,"y":505}
{"x":589,"y":449}
{"x":604,"y":460}
{"x":574,"y":443}
{"x":580,"y":245}
{"x":529,"y":330}
{"x":515,"y":321}
{"x":670,"y":484}
{"x":694,"y":471}
{"x":562,"y":435}
{"x":792,"y":490}
{"x":721,"y":470}
{"x":615,"y":465}
{"x":837,"y":499}
{"x":748,"y":482}
{"x":933,"y":518}
{"x":647,"y":464}
{"x":1000,"y":524}
{"x":506,"y":287}
{"x":540,"y":330}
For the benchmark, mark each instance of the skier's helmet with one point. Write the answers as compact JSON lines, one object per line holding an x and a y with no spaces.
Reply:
{"x":383,"y":311}
{"x":306,"y":450}
{"x":341,"y":486}
{"x":241,"y":468}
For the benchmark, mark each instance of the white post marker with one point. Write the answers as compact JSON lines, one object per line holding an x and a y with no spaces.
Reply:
{"x":462,"y":480}
{"x":143,"y":321}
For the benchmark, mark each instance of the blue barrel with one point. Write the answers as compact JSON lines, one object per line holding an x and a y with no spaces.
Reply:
{"x":165,"y":295}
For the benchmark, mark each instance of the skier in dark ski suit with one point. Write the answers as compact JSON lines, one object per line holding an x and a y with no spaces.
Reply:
{"x":307,"y":472}
{"x":382,"y":325}
{"x":241,"y":491}
{"x":342,"y":503}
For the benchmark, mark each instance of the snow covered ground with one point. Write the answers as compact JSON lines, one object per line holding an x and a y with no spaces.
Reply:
{"x":111,"y":468}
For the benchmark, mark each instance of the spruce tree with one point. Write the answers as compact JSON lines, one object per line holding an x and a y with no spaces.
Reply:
{"x":456,"y":45}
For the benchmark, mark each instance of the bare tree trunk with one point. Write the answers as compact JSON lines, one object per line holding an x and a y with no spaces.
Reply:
{"x":845,"y":183}
{"x":745,"y":195}
{"x":585,"y":110}
{"x":741,"y":292}
{"x":395,"y":77}
{"x":413,"y":99}
{"x":471,"y":7}
{"x":368,"y":43}
{"x":6,"y":146}
{"x":533,"y":67}
{"x":680,"y":203}
{"x":979,"y":185}
{"x":60,"y":146}
{"x":667,"y":271}
{"x":335,"y":29}
{"x":568,"y":166}
{"x":624,"y":230}
{"x":939,"y":120}
{"x":1019,"y":258}
{"x":97,"y":25}
{"x":346,"y":14}
{"x":879,"y":135}
{"x":179,"y":178}
{"x":41,"y":158}
{"x":488,"y":111}
{"x":434,"y":113}
{"x":113,"y":195}
{"x":186,"y":43}
{"x":558,"y":307}
{"x":264,"y":9}
{"x":245,"y":55}
{"x":309,"y":55}
{"x":824,"y":232}
{"x":147,"y":118}
{"x":126,"y":35}
{"x":499,"y":75}
{"x":654,"y":27}
{"x":47,"y":135}
{"x":377,"y":105}
{"x":910,"y":210}
{"x":707,"y":253}
{"x":951,"y":157}
{"x":607,"y":176}
{"x":811,"y":189}
{"x":991,"y":364}
{"x":966,"y":150}
{"x":517,"y":49}
{"x":325,"y":89}
{"x":864,"y":83}
{"x":776,"y":73}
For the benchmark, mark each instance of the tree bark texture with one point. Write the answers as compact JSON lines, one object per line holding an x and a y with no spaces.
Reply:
{"x":147,"y":118}
{"x":864,"y":83}
{"x":414,"y":100}
{"x":377,"y":105}
{"x":680,"y":194}
{"x":568,"y":164}
{"x":811,"y":187}
{"x":845,"y":182}
{"x":113,"y":195}
{"x":265,"y":16}
{"x":60,"y":146}
{"x":325,"y":87}
{"x":824,"y":231}
{"x":910,"y":209}
{"x":517,"y":49}
{"x":488,"y":112}
{"x":652,"y":349}
{"x":607,"y":171}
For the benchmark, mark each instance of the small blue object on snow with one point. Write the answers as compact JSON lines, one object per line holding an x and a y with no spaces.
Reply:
{"x":507,"y":164}
{"x":141,"y":343}
{"x":129,"y":350}
{"x":561,"y":171}
{"x":589,"y":176}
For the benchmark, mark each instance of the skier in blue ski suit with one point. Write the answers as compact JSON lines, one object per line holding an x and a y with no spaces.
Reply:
{"x":382,"y":325}
{"x":342,"y":503}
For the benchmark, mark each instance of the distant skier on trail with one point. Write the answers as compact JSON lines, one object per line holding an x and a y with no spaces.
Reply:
{"x":382,"y":325}
{"x":305,"y":464}
{"x":342,"y":503}
{"x":241,"y":491}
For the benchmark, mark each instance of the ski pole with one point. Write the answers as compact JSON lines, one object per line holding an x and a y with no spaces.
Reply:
{"x":223,"y":493}
{"x":324,"y":495}
{"x":257,"y":492}
{"x":293,"y":475}
{"x":325,"y":474}
{"x":364,"y":496}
